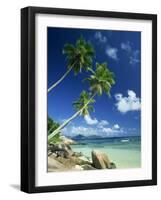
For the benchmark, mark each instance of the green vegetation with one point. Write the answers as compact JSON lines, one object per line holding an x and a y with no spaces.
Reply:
{"x":55,"y":139}
{"x":101,"y":80}
{"x":52,"y":126}
{"x":83,"y":104}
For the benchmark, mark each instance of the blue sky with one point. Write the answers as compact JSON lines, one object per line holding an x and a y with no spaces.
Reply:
{"x":115,"y":116}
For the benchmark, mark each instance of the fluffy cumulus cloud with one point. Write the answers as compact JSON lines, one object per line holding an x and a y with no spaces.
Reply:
{"x":90,"y":121}
{"x":109,"y":50}
{"x":133,"y":55}
{"x":102,"y":123}
{"x":116,"y":126}
{"x":92,"y":131}
{"x":129,"y":103}
{"x":81,"y":130}
{"x":126,"y":46}
{"x":94,"y":121}
{"x":100,"y":37}
{"x":114,"y":131}
{"x":94,"y":127}
{"x":107,"y":130}
{"x":112,"y":52}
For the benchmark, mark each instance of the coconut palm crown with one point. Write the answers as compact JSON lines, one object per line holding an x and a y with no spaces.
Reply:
{"x":101,"y":80}
{"x":79,"y":56}
{"x":84,"y":103}
{"x":83,"y":107}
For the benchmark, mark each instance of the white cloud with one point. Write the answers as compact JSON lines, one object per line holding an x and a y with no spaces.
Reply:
{"x":72,"y":131}
{"x":102,"y":123}
{"x":95,"y":121}
{"x":116,"y":126}
{"x":90,"y":121}
{"x":102,"y":129}
{"x":132,"y":54}
{"x":130,"y":103}
{"x":108,"y":130}
{"x":134,"y":58}
{"x":101,"y":38}
{"x":88,"y":131}
{"x":112,"y":52}
{"x":82,"y":131}
{"x":78,"y":129}
{"x":126,"y":46}
{"x":114,"y":131}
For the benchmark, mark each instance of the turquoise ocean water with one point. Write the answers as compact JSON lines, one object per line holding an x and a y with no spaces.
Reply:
{"x":125,"y":152}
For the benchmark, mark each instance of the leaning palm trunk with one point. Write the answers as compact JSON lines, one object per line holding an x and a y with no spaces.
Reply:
{"x":63,"y":125}
{"x":69,"y":120}
{"x":55,"y":84}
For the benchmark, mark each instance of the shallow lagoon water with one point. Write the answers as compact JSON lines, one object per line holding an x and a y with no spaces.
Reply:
{"x":124,"y":152}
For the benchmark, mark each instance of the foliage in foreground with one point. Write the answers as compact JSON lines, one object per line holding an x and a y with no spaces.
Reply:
{"x":52,"y":126}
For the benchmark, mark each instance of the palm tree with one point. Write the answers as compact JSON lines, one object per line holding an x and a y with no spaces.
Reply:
{"x":101,"y":80}
{"x":83,"y":107}
{"x":78,"y":57}
{"x":83,"y":104}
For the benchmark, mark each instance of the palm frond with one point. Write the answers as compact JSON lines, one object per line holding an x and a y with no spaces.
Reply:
{"x":84,"y":103}
{"x":101,"y":79}
{"x":79,"y":56}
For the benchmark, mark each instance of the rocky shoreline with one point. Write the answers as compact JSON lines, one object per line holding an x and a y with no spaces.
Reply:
{"x":61,"y":157}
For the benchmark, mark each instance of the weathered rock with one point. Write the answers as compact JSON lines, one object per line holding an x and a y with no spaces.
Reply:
{"x":112,"y":166}
{"x":54,"y":164}
{"x":77,"y":167}
{"x":67,"y":141}
{"x":62,"y":158}
{"x":52,"y":155}
{"x":49,"y":152}
{"x":84,"y":158}
{"x":80,"y":160}
{"x":100,"y":160}
{"x":61,"y":149}
{"x":68,"y":162}
{"x":88,"y":167}
{"x":78,"y":154}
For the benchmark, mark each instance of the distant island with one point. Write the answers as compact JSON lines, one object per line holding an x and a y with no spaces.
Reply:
{"x":83,"y":137}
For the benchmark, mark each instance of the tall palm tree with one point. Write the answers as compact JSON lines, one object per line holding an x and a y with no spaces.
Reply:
{"x":83,"y":106}
{"x":101,"y":80}
{"x":78,"y":57}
